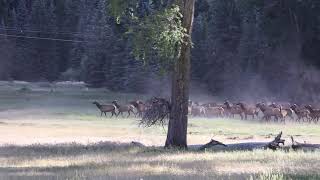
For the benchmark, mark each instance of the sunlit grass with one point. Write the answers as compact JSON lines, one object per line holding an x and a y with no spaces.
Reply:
{"x":133,"y":163}
{"x":69,"y":117}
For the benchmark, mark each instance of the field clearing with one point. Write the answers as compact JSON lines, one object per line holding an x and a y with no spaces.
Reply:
{"x":60,"y":135}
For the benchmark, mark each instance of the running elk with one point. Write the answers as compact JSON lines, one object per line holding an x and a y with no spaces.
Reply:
{"x":215,"y":111}
{"x":248,"y":111}
{"x":123,"y":108}
{"x":269,"y":112}
{"x":285,"y":111}
{"x":314,"y":113}
{"x":140,"y":107}
{"x":233,"y":110}
{"x":105,"y":108}
{"x":301,"y":113}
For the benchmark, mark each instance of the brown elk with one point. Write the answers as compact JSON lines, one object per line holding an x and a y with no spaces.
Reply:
{"x":233,"y":110}
{"x":140,"y":107}
{"x":197,"y":110}
{"x":314,"y":113}
{"x":286,"y":112}
{"x":248,"y":111}
{"x":105,"y":108}
{"x":269,"y":112}
{"x":123,"y":108}
{"x":210,"y":105}
{"x":215,"y":111}
{"x":301,"y":113}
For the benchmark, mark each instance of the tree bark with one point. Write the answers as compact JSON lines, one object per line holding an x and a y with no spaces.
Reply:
{"x":178,"y":121}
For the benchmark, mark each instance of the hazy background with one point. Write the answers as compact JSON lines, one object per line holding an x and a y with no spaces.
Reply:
{"x":243,"y":49}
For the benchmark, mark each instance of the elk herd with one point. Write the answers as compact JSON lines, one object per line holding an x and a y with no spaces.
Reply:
{"x":136,"y":108}
{"x":277,"y":112}
{"x":266,"y":112}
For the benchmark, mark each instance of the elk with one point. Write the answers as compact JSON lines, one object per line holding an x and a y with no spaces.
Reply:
{"x":123,"y":108}
{"x":301,"y":113}
{"x":283,"y":114}
{"x":140,"y":107}
{"x":215,"y":111}
{"x":233,"y":110}
{"x":210,"y":105}
{"x":314,"y":113}
{"x":286,"y":112}
{"x":105,"y":108}
{"x":248,"y":111}
{"x":198,"y":110}
{"x":269,"y":112}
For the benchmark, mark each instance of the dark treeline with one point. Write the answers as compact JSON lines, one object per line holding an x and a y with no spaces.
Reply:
{"x":242,"y":48}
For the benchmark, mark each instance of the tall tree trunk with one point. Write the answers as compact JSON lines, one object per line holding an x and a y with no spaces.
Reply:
{"x":178,"y":123}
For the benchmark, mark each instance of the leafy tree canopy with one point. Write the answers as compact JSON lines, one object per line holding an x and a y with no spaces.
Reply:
{"x":155,"y":29}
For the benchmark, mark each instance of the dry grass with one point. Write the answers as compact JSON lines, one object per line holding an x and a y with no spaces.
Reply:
{"x":60,"y":136}
{"x":109,"y":161}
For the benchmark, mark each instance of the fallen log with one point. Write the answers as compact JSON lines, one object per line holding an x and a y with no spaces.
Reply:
{"x":211,"y":144}
{"x":137,"y":144}
{"x":249,"y":146}
{"x":219,"y":146}
{"x":304,"y":146}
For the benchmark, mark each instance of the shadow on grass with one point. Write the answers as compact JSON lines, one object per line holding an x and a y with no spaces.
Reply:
{"x":126,"y":168}
{"x":70,"y":149}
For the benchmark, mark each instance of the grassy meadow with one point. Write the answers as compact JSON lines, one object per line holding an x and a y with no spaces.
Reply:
{"x":55,"y":132}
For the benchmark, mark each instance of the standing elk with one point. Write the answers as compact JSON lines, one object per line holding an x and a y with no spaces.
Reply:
{"x":105,"y":108}
{"x":123,"y":108}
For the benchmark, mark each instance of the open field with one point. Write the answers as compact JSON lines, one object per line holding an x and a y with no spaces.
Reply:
{"x":60,"y":135}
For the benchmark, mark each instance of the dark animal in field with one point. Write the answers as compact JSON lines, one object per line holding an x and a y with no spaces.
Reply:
{"x":105,"y":108}
{"x":140,"y":107}
{"x":283,"y":114}
{"x":233,"y":110}
{"x":157,"y":113}
{"x":198,"y":110}
{"x":210,"y":105}
{"x":285,"y":110}
{"x":269,"y":112}
{"x":314,"y":113}
{"x":215,"y":111}
{"x":302,"y":114}
{"x":123,"y":108}
{"x":248,"y":111}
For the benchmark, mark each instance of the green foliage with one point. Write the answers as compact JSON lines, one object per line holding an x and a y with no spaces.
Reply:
{"x":160,"y":34}
{"x":119,"y":7}
{"x":157,"y":36}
